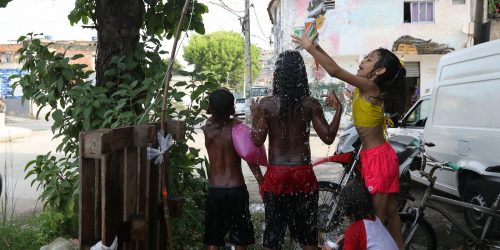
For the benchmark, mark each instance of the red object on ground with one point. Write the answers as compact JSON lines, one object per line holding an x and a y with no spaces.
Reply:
{"x":339,"y":158}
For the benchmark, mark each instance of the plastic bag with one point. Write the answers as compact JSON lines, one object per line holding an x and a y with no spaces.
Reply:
{"x":100,"y":246}
{"x":246,"y":149}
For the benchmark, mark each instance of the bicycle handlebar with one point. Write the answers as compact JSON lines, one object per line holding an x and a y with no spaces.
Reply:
{"x":435,"y":164}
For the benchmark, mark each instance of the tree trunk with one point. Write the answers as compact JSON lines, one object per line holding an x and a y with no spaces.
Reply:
{"x":118,"y":26}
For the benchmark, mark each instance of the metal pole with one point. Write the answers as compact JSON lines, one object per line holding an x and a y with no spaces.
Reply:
{"x":478,"y":22}
{"x":248,"y":60}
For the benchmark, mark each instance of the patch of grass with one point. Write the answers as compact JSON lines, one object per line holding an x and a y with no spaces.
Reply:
{"x":39,"y":230}
{"x":258,"y":220}
{"x":17,"y":236}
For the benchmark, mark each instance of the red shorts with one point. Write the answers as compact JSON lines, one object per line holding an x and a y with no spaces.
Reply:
{"x":380,"y":169}
{"x":289,"y":179}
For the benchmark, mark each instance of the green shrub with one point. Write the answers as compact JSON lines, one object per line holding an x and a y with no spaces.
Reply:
{"x":36,"y":232}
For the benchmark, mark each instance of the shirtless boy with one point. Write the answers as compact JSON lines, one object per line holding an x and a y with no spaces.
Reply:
{"x":227,"y":202}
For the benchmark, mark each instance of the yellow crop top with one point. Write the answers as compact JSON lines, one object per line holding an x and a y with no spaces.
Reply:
{"x":366,"y":114}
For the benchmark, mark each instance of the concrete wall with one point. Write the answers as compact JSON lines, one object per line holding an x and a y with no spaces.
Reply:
{"x":358,"y":26}
{"x":16,"y":108}
{"x":355,"y":27}
{"x":494,"y":29}
{"x":428,"y":70}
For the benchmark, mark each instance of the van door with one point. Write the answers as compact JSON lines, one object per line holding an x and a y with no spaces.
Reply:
{"x":465,"y":128}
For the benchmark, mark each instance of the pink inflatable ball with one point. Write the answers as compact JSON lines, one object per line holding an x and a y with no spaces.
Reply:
{"x":246,"y":149}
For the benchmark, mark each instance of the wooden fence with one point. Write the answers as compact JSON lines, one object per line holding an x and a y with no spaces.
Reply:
{"x":120,"y":193}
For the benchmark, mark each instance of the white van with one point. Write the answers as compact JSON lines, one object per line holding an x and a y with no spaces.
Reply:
{"x":464,"y":123}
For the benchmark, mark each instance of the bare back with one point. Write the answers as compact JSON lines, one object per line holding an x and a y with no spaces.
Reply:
{"x":225,"y":164}
{"x":289,"y":137}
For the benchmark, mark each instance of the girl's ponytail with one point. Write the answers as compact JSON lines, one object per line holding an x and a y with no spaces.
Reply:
{"x":392,"y":83}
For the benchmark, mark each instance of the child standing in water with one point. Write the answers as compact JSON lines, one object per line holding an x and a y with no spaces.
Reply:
{"x":366,"y":231}
{"x":380,"y":88}
{"x":227,"y":202}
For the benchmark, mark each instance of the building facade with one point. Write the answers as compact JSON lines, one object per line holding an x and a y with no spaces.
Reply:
{"x":418,"y":31}
{"x":10,"y":65}
{"x":267,"y":68}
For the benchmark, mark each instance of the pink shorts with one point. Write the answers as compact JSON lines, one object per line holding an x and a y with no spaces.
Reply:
{"x":380,"y":169}
{"x":289,"y":180}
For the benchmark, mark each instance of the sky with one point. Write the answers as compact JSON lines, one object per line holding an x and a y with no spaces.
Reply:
{"x":50,"y":18}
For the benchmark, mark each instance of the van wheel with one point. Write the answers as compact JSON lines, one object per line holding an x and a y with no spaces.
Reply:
{"x":482,"y":193}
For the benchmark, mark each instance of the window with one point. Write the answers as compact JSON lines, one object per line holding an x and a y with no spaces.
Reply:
{"x":418,"y":115}
{"x":458,"y":1}
{"x":418,"y":11}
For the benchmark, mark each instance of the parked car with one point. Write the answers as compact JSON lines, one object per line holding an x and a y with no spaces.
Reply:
{"x":462,"y":119}
{"x":240,"y":106}
{"x":413,"y":121}
{"x":255,"y":94}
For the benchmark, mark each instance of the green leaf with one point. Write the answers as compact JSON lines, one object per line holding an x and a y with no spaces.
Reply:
{"x":110,"y":73}
{"x":57,"y":116}
{"x":77,"y":56}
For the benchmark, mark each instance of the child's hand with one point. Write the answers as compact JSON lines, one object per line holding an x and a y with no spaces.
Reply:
{"x":304,"y":41}
{"x":333,"y":101}
{"x":254,"y":108}
{"x":340,"y":240}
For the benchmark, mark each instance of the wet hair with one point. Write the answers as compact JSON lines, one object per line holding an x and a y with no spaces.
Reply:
{"x":355,"y":201}
{"x":221,"y":103}
{"x":392,"y":82}
{"x":290,"y":82}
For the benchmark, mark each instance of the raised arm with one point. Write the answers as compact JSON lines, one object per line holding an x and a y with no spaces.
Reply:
{"x":259,"y":124}
{"x":330,"y":65}
{"x":326,"y":132}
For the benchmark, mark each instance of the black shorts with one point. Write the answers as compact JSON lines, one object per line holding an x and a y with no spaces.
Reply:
{"x":299,"y":211}
{"x":227,"y":210}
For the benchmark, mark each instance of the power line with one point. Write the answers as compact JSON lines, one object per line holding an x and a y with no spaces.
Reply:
{"x":226,"y":8}
{"x":257,"y":18}
{"x":240,"y":11}
{"x":261,"y":38}
{"x":260,"y":27}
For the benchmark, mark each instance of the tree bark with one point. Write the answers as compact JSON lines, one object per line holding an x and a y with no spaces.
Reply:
{"x":118,"y":32}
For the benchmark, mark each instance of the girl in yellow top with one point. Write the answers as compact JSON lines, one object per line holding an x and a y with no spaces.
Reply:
{"x":380,"y":88}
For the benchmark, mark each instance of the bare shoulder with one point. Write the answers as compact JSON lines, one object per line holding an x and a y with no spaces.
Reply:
{"x":311,"y":102}
{"x":208,"y":124}
{"x":269,"y":102}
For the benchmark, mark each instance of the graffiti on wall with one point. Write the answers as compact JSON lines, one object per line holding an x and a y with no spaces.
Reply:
{"x":6,"y":88}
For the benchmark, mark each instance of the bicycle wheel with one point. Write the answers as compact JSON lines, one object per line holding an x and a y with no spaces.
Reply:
{"x":327,"y":200}
{"x":424,"y":238}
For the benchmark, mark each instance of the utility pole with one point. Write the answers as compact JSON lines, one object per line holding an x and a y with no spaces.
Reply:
{"x":248,"y":60}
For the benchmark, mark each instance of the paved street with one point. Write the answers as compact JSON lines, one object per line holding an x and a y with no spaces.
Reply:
{"x":14,"y":156}
{"x":17,"y":153}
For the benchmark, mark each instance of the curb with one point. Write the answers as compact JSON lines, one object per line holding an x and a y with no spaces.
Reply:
{"x":11,"y":133}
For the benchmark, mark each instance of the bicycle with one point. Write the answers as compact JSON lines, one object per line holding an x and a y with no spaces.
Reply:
{"x":331,"y":221}
{"x":474,"y":237}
